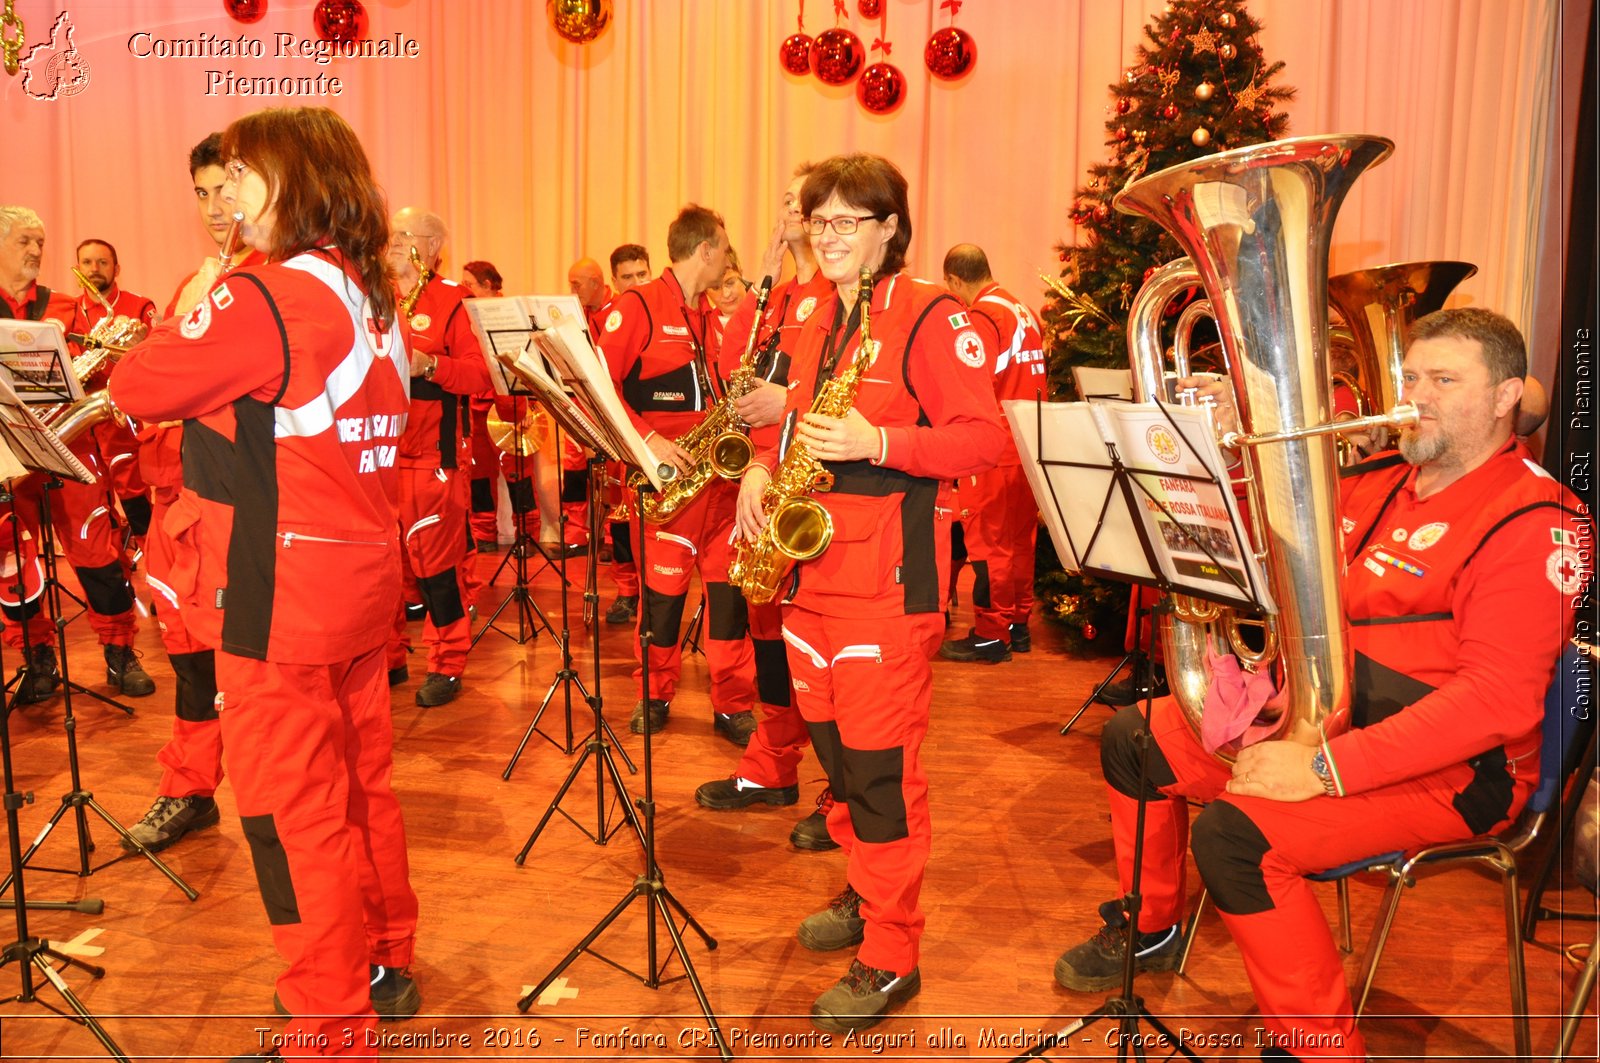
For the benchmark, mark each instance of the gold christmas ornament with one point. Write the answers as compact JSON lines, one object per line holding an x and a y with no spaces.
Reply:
{"x":1204,"y":41}
{"x":1204,"y":91}
{"x":1201,"y":137}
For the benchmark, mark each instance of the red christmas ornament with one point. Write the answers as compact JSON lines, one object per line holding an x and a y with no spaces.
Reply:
{"x":1170,"y":111}
{"x":1090,"y":632}
{"x":795,"y":54}
{"x":1121,"y":133}
{"x":881,"y":88}
{"x":340,"y":20}
{"x":1101,"y":212}
{"x":950,"y":53}
{"x":837,"y":56}
{"x":869,"y":8}
{"x":245,"y":10}
{"x":1124,"y":105}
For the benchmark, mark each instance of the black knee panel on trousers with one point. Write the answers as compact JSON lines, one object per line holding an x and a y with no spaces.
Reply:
{"x":980,"y":584}
{"x":830,"y":752}
{"x":196,"y":693}
{"x":574,"y":485}
{"x":728,"y":617}
{"x":106,"y":588}
{"x":665,"y":615}
{"x":482,"y":495}
{"x":272,"y":870}
{"x":1228,"y":848}
{"x":137,"y":510}
{"x":442,"y":597}
{"x":19,"y":613}
{"x":1119,"y":756}
{"x":875,"y":791}
{"x":621,"y":542}
{"x":958,"y":543}
{"x":772,"y":671}
{"x":521,"y":494}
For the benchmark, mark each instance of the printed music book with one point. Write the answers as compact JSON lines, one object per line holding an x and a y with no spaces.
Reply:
{"x":27,"y":443}
{"x":35,"y":354}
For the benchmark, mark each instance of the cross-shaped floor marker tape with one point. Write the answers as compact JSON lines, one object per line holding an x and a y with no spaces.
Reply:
{"x":79,"y":946}
{"x":554,"y":993}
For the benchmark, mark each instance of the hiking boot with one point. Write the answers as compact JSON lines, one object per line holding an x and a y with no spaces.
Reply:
{"x":725,"y":794}
{"x":1147,"y":680}
{"x":623,"y":610}
{"x":438,"y":689}
{"x":811,"y":833}
{"x":838,"y":926}
{"x":394,"y":994}
{"x":973,"y":648}
{"x":399,"y":674}
{"x":169,"y":819}
{"x":737,"y":727}
{"x":124,"y":672}
{"x":658,"y":716}
{"x":1096,"y":965}
{"x":38,"y":678}
{"x":863,"y":998}
{"x":1021,"y":639}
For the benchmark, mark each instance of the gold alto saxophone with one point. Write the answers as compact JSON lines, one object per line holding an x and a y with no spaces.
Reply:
{"x":408,"y":302}
{"x":799,"y":527}
{"x":718,"y":445}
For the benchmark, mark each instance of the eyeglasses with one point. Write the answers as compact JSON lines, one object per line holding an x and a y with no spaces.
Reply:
{"x":395,"y":239}
{"x":236,"y":170}
{"x":843,"y":225}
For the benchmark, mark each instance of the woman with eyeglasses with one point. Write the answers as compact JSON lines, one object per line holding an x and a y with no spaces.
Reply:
{"x":863,"y":620}
{"x":291,"y":378}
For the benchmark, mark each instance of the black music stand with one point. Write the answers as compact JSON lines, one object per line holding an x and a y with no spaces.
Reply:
{"x":1128,"y":506}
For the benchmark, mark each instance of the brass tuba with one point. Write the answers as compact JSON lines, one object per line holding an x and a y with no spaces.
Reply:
{"x":799,"y":527}
{"x":1257,"y":223}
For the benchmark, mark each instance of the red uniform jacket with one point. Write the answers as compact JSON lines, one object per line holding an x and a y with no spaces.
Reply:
{"x":651,"y":339}
{"x":788,"y":307}
{"x":1459,"y":604}
{"x":1019,"y":367}
{"x":87,"y":311}
{"x":596,"y":318}
{"x":439,"y":433}
{"x":293,"y":404}
{"x":39,"y":304}
{"x":929,"y":395}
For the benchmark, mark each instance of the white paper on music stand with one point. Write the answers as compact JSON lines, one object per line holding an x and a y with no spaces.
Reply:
{"x":1093,"y":382}
{"x":35,"y":353}
{"x":566,"y":346}
{"x":505,"y":327}
{"x":28,"y":443}
{"x":532,"y":372}
{"x":1193,"y":524}
{"x":1072,"y":497}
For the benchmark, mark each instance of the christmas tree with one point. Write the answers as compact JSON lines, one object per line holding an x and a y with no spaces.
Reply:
{"x":1198,"y":86}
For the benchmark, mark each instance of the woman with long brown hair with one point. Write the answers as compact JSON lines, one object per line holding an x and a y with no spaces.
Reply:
{"x":292,"y":379}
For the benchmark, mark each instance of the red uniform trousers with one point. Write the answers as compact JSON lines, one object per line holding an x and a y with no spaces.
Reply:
{"x":698,"y":537}
{"x":120,"y":447}
{"x":1253,"y":854}
{"x":864,"y":688}
{"x":773,"y":756}
{"x":82,"y":518}
{"x":309,"y":749}
{"x":191,"y":761}
{"x":1000,"y":523}
{"x":433,"y":529}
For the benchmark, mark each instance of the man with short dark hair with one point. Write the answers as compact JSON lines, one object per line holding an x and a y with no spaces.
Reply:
{"x":654,"y":343}
{"x":630,"y":266}
{"x":1000,"y":518}
{"x":1463,"y":562}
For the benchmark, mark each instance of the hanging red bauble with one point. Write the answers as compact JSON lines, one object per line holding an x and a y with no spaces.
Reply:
{"x":836,"y":56}
{"x":340,"y":20}
{"x":1090,"y":632}
{"x":245,"y":10}
{"x":578,"y":21}
{"x":795,"y":54}
{"x":870,"y":8}
{"x":1170,"y":111}
{"x":882,"y":88}
{"x":1124,"y":105}
{"x":1101,"y":212}
{"x":1121,"y":133}
{"x":950,"y":54}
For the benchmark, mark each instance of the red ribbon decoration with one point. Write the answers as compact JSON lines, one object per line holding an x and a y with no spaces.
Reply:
{"x":881,"y":41}
{"x":839,"y":10}
{"x":800,"y":18}
{"x":953,"y":5}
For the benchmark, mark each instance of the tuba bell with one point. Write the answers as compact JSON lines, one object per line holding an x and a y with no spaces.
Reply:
{"x":1257,"y":224}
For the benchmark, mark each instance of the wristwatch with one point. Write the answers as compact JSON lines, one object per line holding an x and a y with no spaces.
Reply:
{"x":1319,"y":764}
{"x":427,"y":374}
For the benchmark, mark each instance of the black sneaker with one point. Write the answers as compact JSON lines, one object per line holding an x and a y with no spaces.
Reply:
{"x":399,"y":674}
{"x":623,"y":610}
{"x":838,"y":926}
{"x":416,"y":610}
{"x":394,"y":994}
{"x":1146,"y":680}
{"x":438,"y":689}
{"x":1021,"y":639}
{"x":863,"y":998}
{"x":658,"y":716}
{"x":124,"y":672}
{"x":972,"y":648}
{"x":811,"y":833}
{"x":169,"y":819}
{"x":38,"y":678}
{"x":737,"y":727}
{"x":724,"y":794}
{"x":1096,"y":965}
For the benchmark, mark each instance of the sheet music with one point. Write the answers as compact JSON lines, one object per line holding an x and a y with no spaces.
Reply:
{"x":505,"y":327}
{"x":28,"y":443}
{"x":36,"y":355}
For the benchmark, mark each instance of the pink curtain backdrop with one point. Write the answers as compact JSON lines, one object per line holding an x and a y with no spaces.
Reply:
{"x":537,"y":151}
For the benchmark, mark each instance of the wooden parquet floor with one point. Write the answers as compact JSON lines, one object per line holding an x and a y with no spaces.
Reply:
{"x":1021,"y":857}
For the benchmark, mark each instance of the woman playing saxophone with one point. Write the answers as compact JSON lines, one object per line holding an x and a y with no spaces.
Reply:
{"x":863,"y":618}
